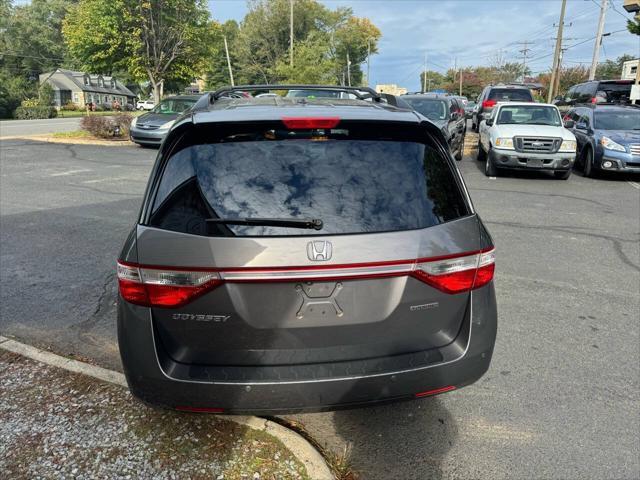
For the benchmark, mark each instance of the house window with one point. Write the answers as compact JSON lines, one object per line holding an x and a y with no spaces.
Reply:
{"x":76,"y":97}
{"x":86,"y":80}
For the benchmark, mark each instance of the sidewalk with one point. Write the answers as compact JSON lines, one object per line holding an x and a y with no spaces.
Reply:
{"x":59,"y":424}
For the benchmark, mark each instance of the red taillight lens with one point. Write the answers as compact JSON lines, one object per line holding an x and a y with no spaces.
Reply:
{"x":306,"y":123}
{"x":594,"y":100}
{"x":489,"y":104}
{"x":153,"y":287}
{"x":459,"y":274}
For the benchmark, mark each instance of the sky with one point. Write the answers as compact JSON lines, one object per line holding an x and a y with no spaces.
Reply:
{"x":474,"y":32}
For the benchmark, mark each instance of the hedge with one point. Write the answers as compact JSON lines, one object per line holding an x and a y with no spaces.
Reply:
{"x":32,"y":113}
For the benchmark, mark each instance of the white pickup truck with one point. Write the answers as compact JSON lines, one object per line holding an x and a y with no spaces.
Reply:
{"x":525,"y":135}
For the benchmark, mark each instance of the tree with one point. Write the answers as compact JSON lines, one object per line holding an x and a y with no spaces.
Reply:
{"x":434,"y":80}
{"x":611,"y":69}
{"x":312,"y":63}
{"x":353,"y":39}
{"x":217,"y":70}
{"x":634,"y":25}
{"x":157,"y":40}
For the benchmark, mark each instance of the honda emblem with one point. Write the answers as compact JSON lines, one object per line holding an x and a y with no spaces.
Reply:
{"x":319,"y":251}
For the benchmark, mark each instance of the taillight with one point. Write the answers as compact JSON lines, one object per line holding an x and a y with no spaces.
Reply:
{"x":171,"y":287}
{"x":155,"y":287}
{"x":594,"y":100}
{"x":458,"y":274}
{"x":489,"y":104}
{"x":306,"y":123}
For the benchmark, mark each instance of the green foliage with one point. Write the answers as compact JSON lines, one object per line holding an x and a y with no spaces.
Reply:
{"x":32,"y":113}
{"x":634,"y":25}
{"x":260,"y":46}
{"x":156,"y":40}
{"x":612,"y":69}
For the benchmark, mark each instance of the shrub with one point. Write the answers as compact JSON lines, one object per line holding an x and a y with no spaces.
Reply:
{"x":32,"y":113}
{"x":107,"y":127}
{"x":30,"y":102}
{"x":69,"y":106}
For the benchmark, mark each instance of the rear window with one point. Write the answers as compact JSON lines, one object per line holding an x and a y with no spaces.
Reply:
{"x":614,"y":92}
{"x":510,"y":95}
{"x":352,"y":185}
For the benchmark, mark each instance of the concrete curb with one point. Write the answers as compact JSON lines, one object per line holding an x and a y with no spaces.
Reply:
{"x":313,"y":461}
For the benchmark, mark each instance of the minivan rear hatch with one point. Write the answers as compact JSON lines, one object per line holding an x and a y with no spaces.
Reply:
{"x":394,"y":217}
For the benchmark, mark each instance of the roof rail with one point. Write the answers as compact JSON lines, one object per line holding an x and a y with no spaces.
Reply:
{"x":361,"y":92}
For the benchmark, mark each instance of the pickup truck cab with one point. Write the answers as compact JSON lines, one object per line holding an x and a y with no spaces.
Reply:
{"x":529,"y":136}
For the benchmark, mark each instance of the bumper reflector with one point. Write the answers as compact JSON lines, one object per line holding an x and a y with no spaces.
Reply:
{"x":428,"y":393}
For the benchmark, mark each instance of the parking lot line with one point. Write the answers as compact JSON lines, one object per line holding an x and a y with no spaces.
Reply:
{"x":69,"y":172}
{"x":635,"y":185}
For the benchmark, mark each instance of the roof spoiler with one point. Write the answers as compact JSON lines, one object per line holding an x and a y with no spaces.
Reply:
{"x":362,"y":93}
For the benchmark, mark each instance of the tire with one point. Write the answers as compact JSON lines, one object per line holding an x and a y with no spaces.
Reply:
{"x":490,"y":169}
{"x":562,"y":175}
{"x":482,"y":155}
{"x":458,"y":156}
{"x":587,"y":162}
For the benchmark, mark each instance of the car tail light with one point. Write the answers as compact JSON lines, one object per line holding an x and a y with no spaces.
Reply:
{"x":171,"y":287}
{"x":155,"y":287}
{"x":306,"y":123}
{"x":488,"y":104}
{"x":594,"y":100}
{"x":458,"y":274}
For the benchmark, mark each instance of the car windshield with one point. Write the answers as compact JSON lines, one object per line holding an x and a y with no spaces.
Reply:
{"x":431,"y":108}
{"x":173,"y":106}
{"x":627,"y":120}
{"x":528,"y":115}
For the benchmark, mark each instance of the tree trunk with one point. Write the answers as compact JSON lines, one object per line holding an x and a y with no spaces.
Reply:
{"x":157,"y":92}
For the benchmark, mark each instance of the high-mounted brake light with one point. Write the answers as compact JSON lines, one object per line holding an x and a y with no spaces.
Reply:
{"x":171,"y":287}
{"x":153,"y":287}
{"x":306,"y":123}
{"x":489,"y":103}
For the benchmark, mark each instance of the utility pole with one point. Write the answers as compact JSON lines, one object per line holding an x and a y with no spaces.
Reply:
{"x":291,"y":33}
{"x":424,"y":76}
{"x":226,"y":49}
{"x":525,"y":52}
{"x":368,"y":62}
{"x":596,"y":47}
{"x":460,"y":81}
{"x":556,"y":55}
{"x":348,"y":69}
{"x":556,"y":87}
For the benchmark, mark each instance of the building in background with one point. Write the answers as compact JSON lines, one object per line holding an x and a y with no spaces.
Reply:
{"x":390,"y":88}
{"x":630,"y":69}
{"x":81,"y":88}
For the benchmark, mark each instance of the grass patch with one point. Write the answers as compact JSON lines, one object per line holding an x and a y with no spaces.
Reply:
{"x":73,"y":134}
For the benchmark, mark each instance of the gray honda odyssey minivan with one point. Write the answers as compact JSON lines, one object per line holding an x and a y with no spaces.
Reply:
{"x":304,"y":254}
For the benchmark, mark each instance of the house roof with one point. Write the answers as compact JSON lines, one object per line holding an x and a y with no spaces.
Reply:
{"x":73,"y":80}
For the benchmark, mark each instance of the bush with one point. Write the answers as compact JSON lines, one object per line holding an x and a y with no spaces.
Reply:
{"x":69,"y":107}
{"x":30,"y":102}
{"x":32,"y":113}
{"x":107,"y":127}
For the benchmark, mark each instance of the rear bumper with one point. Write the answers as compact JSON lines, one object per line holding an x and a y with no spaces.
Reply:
{"x":464,"y":361}
{"x":524,"y":161}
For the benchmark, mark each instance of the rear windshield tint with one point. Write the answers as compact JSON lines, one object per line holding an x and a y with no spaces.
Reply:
{"x":353,"y":186}
{"x":510,"y":95}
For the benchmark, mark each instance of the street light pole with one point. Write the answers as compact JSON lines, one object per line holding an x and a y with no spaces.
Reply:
{"x":291,"y":33}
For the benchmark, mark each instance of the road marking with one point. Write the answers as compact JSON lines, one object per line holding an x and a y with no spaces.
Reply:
{"x":108,"y":179}
{"x":69,"y":172}
{"x":635,"y":185}
{"x":492,"y":178}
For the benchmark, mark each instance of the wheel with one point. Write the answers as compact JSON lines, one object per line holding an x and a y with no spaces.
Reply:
{"x":587,"y":162}
{"x":474,"y":125}
{"x":562,"y":175}
{"x":482,"y":156}
{"x":490,"y":169}
{"x":458,"y":156}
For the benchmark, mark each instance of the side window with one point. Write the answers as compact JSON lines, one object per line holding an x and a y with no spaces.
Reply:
{"x":570,"y":94}
{"x":453,"y":107}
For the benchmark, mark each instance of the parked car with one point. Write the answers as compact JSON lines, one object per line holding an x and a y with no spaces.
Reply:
{"x":470,"y":108}
{"x":493,"y":94}
{"x":596,"y":91}
{"x":608,"y":137}
{"x":145,"y":104}
{"x":526,"y":136}
{"x":149,"y":129}
{"x":268,"y":273}
{"x":267,"y":95}
{"x":446,"y":112}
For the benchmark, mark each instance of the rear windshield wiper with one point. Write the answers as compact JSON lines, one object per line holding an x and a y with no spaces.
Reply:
{"x":310,"y":223}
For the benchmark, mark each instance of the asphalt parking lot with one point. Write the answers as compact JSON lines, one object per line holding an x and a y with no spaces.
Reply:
{"x":562,"y":397}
